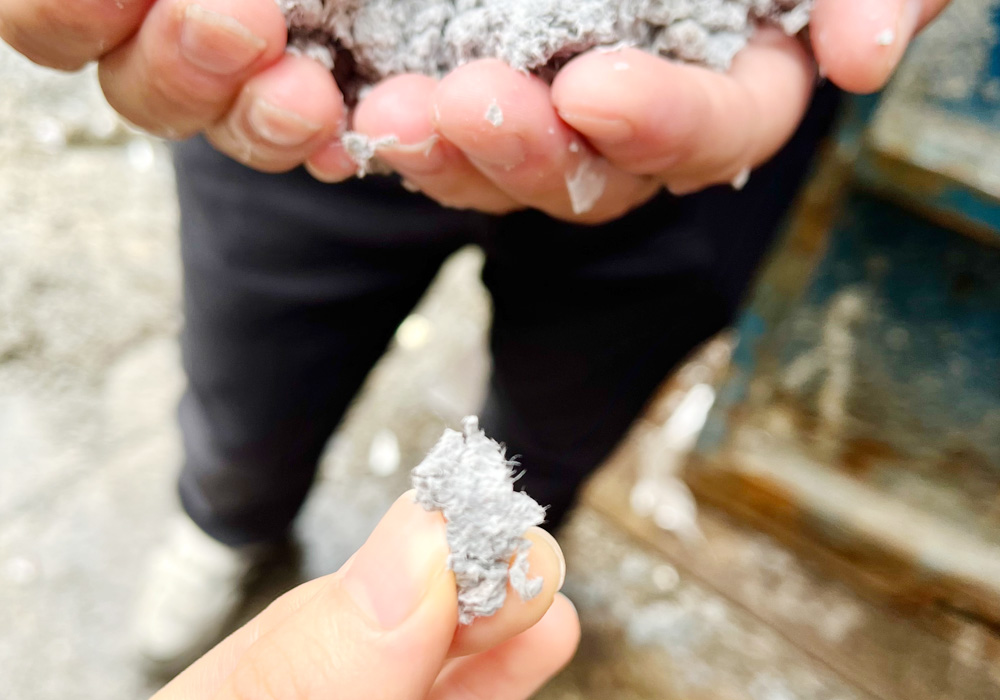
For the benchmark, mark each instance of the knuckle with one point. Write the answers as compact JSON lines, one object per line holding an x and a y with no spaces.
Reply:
{"x":241,"y":145}
{"x":12,"y":33}
{"x":279,"y":667}
{"x":256,"y":677}
{"x":31,"y":45}
{"x":176,"y":90}
{"x":72,"y":36}
{"x":274,"y":671}
{"x":463,"y":689}
{"x":226,"y":142}
{"x":457,"y":194}
{"x":326,"y":175}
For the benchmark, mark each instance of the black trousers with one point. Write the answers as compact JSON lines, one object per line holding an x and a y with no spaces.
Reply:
{"x":293,"y":289}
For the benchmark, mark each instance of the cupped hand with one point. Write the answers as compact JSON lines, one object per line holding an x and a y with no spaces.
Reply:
{"x":180,"y":67}
{"x":612,"y":129}
{"x":616,"y":126}
{"x":385,"y":628}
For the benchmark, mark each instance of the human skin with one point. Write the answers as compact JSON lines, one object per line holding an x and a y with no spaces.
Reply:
{"x":180,"y":67}
{"x":385,"y":627}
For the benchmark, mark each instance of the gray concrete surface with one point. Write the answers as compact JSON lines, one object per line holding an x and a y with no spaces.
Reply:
{"x":89,"y":375}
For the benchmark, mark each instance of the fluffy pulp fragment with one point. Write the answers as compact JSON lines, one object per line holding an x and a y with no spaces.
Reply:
{"x":368,"y":40}
{"x":469,"y":479}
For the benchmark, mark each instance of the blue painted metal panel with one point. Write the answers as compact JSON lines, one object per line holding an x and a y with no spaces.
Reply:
{"x":871,"y":346}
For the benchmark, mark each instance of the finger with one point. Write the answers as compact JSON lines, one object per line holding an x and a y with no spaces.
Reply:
{"x":209,"y":673}
{"x":66,"y":34}
{"x":282,"y":115}
{"x":545,"y":560}
{"x":394,"y":607}
{"x":689,"y":125}
{"x":516,"y":669}
{"x":859,"y":43}
{"x":504,"y":122}
{"x":403,"y":106}
{"x":331,"y":162}
{"x":189,"y":60}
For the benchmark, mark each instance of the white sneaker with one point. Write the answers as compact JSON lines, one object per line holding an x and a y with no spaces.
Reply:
{"x":193,"y":588}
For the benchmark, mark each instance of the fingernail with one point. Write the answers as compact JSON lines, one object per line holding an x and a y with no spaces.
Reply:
{"x":502,"y":151}
{"x":544,"y":536}
{"x":904,"y":27}
{"x":331,"y":164}
{"x":609,"y":131}
{"x":910,"y":18}
{"x":280,"y":126}
{"x":682,"y":189}
{"x":421,"y":158}
{"x":216,"y":43}
{"x":395,"y":569}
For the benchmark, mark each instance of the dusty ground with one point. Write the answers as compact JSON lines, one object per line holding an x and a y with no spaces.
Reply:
{"x":88,"y":379}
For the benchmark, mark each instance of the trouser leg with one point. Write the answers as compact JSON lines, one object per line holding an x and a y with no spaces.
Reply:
{"x":292,"y":289}
{"x":589,"y":321}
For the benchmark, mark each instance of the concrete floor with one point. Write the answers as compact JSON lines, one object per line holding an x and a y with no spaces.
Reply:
{"x":89,"y":375}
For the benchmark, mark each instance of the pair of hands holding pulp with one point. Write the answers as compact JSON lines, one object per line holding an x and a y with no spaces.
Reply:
{"x":180,"y":67}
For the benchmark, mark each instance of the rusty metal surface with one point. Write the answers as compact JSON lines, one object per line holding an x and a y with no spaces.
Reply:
{"x":862,"y":410}
{"x":655,"y":632}
{"x":955,"y":64}
{"x":866,"y":410}
{"x":883,"y":649}
{"x":935,"y":139}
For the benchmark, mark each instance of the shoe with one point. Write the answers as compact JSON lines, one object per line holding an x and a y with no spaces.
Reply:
{"x":194,"y":587}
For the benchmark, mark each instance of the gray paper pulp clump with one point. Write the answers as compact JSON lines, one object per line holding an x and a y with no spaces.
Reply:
{"x":468,"y":478}
{"x":368,"y":40}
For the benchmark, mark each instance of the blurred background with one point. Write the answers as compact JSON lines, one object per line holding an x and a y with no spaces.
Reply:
{"x":842,"y":443}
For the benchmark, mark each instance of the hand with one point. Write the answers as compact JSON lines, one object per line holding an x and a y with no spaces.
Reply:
{"x":626,"y":120}
{"x":384,"y":628}
{"x":180,"y":67}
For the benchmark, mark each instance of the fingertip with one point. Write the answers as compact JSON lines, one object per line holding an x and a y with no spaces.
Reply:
{"x":561,"y":625}
{"x":545,"y":561}
{"x":485,"y":99}
{"x":400,"y":106}
{"x":210,"y":45}
{"x":260,"y":19}
{"x":302,"y":87}
{"x":331,"y":164}
{"x":282,"y":117}
{"x":404,"y":107}
{"x":859,"y":44}
{"x":581,"y":69}
{"x":641,"y":112}
{"x":549,"y":547}
{"x":189,"y":61}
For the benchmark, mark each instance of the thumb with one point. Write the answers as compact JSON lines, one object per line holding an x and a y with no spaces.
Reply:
{"x":380,"y":628}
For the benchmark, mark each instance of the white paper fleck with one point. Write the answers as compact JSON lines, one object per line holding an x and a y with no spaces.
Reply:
{"x":885,"y":37}
{"x":362,"y":149}
{"x":741,"y":179}
{"x":383,"y":453}
{"x":494,"y":115}
{"x":586,"y":185}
